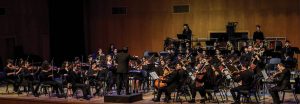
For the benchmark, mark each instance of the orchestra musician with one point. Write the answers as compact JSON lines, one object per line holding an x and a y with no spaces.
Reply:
{"x":111,"y":72}
{"x":46,"y":77}
{"x":111,"y":49}
{"x":173,"y":81}
{"x":287,"y":49}
{"x":11,"y":74}
{"x":188,"y":33}
{"x":282,"y":79}
{"x":258,"y":35}
{"x":245,"y":76}
{"x":77,"y":82}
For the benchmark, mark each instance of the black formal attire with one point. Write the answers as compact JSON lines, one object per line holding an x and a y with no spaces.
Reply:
{"x":188,"y":34}
{"x":44,"y":79}
{"x":258,"y":35}
{"x":174,"y":81}
{"x":246,"y":57}
{"x":283,"y":82}
{"x":247,"y":78}
{"x":122,"y":71}
{"x":13,"y":79}
{"x":111,"y":75}
{"x":211,"y":82}
{"x":287,"y":50}
{"x":78,"y":83}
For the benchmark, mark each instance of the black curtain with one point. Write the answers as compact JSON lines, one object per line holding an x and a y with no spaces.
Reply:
{"x":66,"y":29}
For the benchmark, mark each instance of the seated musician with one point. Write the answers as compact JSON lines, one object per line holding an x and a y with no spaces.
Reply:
{"x":28,"y":75}
{"x":198,"y":85}
{"x":245,"y":76}
{"x":96,"y":76}
{"x":78,"y":83}
{"x":11,"y":76}
{"x":211,"y":79}
{"x":173,"y":81}
{"x":282,"y":79}
{"x":46,"y":77}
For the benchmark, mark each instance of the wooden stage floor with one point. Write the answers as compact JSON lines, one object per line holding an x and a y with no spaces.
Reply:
{"x":147,"y":99}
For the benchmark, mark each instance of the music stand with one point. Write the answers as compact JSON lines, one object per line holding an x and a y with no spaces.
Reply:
{"x":154,"y":54}
{"x":265,"y":75}
{"x":181,"y":36}
{"x":154,"y":76}
{"x":163,"y":53}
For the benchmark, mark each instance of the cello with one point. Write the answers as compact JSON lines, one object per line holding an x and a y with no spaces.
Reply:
{"x":158,"y":82}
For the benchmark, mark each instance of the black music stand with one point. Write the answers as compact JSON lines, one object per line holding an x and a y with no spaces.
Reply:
{"x":154,"y":54}
{"x":181,"y":36}
{"x":164,"y":54}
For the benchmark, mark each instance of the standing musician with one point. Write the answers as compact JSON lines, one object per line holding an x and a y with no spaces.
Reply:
{"x":111,"y":49}
{"x":188,"y":33}
{"x":111,"y":72}
{"x":282,"y":79}
{"x":100,"y":56}
{"x":174,"y":80}
{"x":245,"y":76}
{"x":258,"y":35}
{"x":123,"y":59}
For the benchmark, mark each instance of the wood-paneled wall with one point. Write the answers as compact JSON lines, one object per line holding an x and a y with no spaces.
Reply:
{"x":149,"y":22}
{"x":26,"y":21}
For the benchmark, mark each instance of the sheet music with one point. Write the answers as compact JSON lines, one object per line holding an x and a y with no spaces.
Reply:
{"x":154,"y":75}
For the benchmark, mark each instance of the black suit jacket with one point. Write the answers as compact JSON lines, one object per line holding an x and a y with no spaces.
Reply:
{"x":188,"y":34}
{"x":258,"y":35}
{"x":283,"y":81}
{"x":246,"y":77}
{"x":123,"y":60}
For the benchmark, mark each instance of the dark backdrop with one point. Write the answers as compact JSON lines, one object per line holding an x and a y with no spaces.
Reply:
{"x":66,"y":29}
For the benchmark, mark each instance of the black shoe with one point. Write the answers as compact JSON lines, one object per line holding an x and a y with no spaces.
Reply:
{"x":19,"y":92}
{"x":192,"y":101}
{"x":236,"y":102}
{"x":167,"y":100}
{"x":156,"y":100}
{"x":36,"y":95}
{"x":60,"y":96}
{"x":128,"y":93}
{"x":96,"y":94}
{"x":202,"y":100}
{"x":88,"y":97}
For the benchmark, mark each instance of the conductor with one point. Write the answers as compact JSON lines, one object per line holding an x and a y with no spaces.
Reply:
{"x":123,"y":59}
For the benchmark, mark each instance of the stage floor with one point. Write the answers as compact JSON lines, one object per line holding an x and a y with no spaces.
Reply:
{"x":147,"y":99}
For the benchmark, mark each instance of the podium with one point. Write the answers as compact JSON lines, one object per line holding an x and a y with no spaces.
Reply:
{"x":114,"y":98}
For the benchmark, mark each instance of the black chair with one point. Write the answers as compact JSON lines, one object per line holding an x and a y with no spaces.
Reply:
{"x":254,"y":91}
{"x":182,"y":91}
{"x":46,"y":89}
{"x":290,"y":90}
{"x":221,"y":91}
